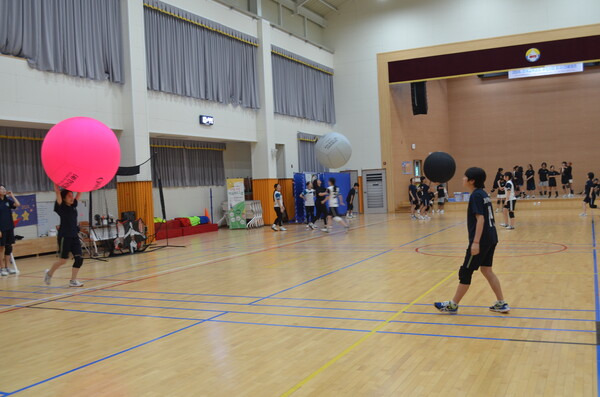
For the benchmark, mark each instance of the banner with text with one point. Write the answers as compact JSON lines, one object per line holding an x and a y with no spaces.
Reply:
{"x":236,"y":203}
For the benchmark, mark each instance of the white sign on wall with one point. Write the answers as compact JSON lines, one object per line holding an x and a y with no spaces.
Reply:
{"x":545,"y":70}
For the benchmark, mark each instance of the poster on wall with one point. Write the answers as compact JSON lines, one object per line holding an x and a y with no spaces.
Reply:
{"x":236,"y":203}
{"x":406,"y":167}
{"x":26,"y":214}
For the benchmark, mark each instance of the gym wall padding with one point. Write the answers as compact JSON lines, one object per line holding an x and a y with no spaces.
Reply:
{"x":342,"y":180}
{"x":299,"y":185}
{"x":287,"y":191}
{"x":137,"y":196}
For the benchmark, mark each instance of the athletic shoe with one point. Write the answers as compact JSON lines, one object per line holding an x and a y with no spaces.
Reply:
{"x":503,"y":225}
{"x":446,"y":307}
{"x":347,"y":227}
{"x":500,"y":307}
{"x":497,"y":210}
{"x":4,"y":272}
{"x":308,"y":226}
{"x":510,"y":227}
{"x":75,"y":283}
{"x":283,"y":229}
{"x":47,"y":277}
{"x":337,"y":219}
{"x":312,"y":226}
{"x":325,"y":230}
{"x":413,"y":217}
{"x":11,"y":271}
{"x":442,"y":211}
{"x":274,"y":228}
{"x":583,"y":214}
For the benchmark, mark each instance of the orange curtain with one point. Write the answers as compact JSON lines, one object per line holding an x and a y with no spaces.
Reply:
{"x":262,"y":190}
{"x":287,"y":191}
{"x":137,"y":196}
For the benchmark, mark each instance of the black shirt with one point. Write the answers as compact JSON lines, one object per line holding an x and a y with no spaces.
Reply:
{"x":425,"y":191}
{"x":412,"y":189}
{"x":6,"y":219}
{"x":543,"y":173}
{"x":569,"y":172}
{"x":519,"y":177}
{"x":588,"y":187}
{"x":501,"y":184}
{"x":68,"y":219}
{"x":529,"y":173}
{"x":552,"y":174}
{"x":498,"y":177}
{"x":441,"y":192}
{"x":481,"y":204}
{"x":351,"y":194}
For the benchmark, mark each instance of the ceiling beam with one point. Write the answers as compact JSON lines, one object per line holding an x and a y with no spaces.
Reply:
{"x":326,"y":3}
{"x":310,"y":15}
{"x":301,"y":3}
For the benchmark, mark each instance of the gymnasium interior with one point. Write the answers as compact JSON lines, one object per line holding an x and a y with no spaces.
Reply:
{"x":205,"y":271}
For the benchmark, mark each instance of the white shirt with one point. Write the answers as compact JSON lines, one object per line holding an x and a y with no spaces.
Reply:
{"x":309,"y":197}
{"x":334,"y":192}
{"x":277,"y":198}
{"x":510,"y":189}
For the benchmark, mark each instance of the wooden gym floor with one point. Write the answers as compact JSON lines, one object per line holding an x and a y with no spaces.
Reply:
{"x":258,"y":313}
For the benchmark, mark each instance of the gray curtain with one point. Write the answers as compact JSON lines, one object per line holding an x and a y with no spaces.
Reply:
{"x":73,"y":37}
{"x":301,"y":87}
{"x":187,"y":163}
{"x":307,"y":157}
{"x":210,"y":62}
{"x":20,"y":161}
{"x":21,"y":167}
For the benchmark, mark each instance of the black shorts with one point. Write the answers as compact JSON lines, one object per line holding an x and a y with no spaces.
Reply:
{"x":510,"y":205}
{"x":68,"y":245}
{"x":484,"y":258}
{"x":587,"y":199}
{"x":564,"y":180}
{"x":333,"y":211}
{"x":8,"y":237}
{"x":552,"y":182}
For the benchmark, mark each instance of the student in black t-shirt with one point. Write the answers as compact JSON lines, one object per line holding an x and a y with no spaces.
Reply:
{"x":501,"y":197}
{"x":350,"y":201}
{"x":543,"y":174}
{"x":441,"y":195}
{"x":587,"y":194}
{"x":424,"y":190}
{"x":482,"y":243}
{"x":68,"y":235}
{"x":569,"y":170}
{"x":496,"y":179}
{"x":518,"y":180}
{"x":529,"y":175}
{"x":413,"y":198}
{"x":564,"y":179}
{"x":320,"y":193}
{"x":552,"y":174}
{"x":8,"y":202}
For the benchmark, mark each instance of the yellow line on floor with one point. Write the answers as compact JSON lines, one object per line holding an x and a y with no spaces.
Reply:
{"x":364,"y":338}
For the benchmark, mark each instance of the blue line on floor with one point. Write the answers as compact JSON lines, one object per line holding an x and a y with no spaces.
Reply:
{"x":493,"y":326}
{"x":292,"y":326}
{"x":352,"y":264}
{"x":503,"y":317}
{"x":113,"y":355}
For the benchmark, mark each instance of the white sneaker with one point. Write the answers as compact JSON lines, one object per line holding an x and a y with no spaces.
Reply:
{"x":326,"y":230}
{"x":442,"y":211}
{"x":283,"y":229}
{"x":75,"y":283}
{"x":11,"y":271}
{"x":47,"y":277}
{"x":510,"y":227}
{"x":308,"y":226}
{"x":274,"y":228}
{"x":583,"y":214}
{"x":4,"y":272}
{"x":503,"y":225}
{"x":413,"y":217}
{"x":497,"y":210}
{"x":312,"y":226}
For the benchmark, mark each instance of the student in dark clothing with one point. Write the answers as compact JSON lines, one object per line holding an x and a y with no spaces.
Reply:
{"x":424,"y":188}
{"x":518,"y":180}
{"x":482,"y":243}
{"x":350,"y":201}
{"x":543,"y":173}
{"x":320,"y":193}
{"x":552,"y":174}
{"x":529,"y":175}
{"x":498,"y":177}
{"x":8,"y":202}
{"x":569,"y":171}
{"x":68,"y":235}
{"x":587,"y":194}
{"x":564,"y":179}
{"x":413,"y":197}
{"x":441,"y":195}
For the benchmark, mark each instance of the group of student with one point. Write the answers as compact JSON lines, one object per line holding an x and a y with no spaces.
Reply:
{"x":547,"y":183}
{"x":326,"y":201}
{"x":421,"y":197}
{"x":68,"y":233}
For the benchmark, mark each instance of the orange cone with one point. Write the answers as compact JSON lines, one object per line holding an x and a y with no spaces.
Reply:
{"x":206,"y":214}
